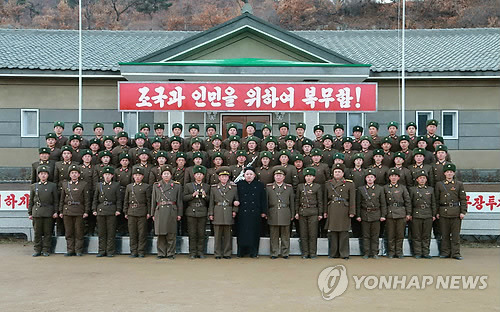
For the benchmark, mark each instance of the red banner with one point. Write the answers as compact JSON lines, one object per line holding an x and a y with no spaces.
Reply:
{"x":167,"y":96}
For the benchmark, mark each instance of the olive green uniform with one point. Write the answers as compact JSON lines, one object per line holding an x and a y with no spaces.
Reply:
{"x":371,"y":207}
{"x":196,"y":213}
{"x":398,"y":207}
{"x":136,"y":205}
{"x":42,"y":206}
{"x":423,"y":209}
{"x":309,"y":203}
{"x":221,"y":208}
{"x":281,"y":203}
{"x":107,"y":201}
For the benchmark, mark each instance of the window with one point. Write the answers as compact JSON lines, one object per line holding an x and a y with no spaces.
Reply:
{"x":354,"y":119}
{"x":421,"y":118}
{"x":29,"y":123}
{"x":449,"y":124}
{"x":130,"y":122}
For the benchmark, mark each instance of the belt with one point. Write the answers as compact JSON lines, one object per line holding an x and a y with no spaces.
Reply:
{"x":371,"y":209}
{"x":73,"y":203}
{"x":223,"y":203}
{"x":108,"y":203}
{"x":452,"y":205}
{"x":167,"y":203}
{"x":395,"y":204}
{"x":308,"y":206}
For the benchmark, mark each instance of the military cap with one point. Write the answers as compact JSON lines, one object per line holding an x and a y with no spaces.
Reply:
{"x":307,"y":142}
{"x":267,"y":126}
{"x":199,"y":169}
{"x":290,"y":137}
{"x":411,"y":124}
{"x":122,"y":134}
{"x":74,"y":137}
{"x":74,"y":168}
{"x":241,"y":153}
{"x":378,"y":151}
{"x":139,"y":135}
{"x":393,"y":171}
{"x":252,"y":138}
{"x":370,"y":172}
{"x":284,"y":124}
{"x":251,"y":124}
{"x":271,"y":139}
{"x":365,"y":137}
{"x":224,"y":170}
{"x":421,"y":138}
{"x":218,"y":154}
{"x":166,"y":168}
{"x":266,"y":154}
{"x":59,"y":124}
{"x":210,"y":125}
{"x":309,"y":171}
{"x":438,"y":138}
{"x":400,"y":154}
{"x":432,"y":122}
{"x":138,"y":170}
{"x":297,"y":157}
{"x":421,"y":173}
{"x":196,"y":140}
{"x":357,"y":128}
{"x":284,"y":152}
{"x":319,"y":127}
{"x":327,"y":137}
{"x":300,"y":125}
{"x":442,"y":147}
{"x":231,"y":125}
{"x":417,"y":151}
{"x":234,"y":138}
{"x":347,"y":139}
{"x":161,"y":154}
{"x":44,"y":150}
{"x":449,"y":166}
{"x":108,"y":169}
{"x":104,"y":153}
{"x":338,"y":126}
{"x":51,"y":135}
{"x":145,"y":125}
{"x":338,"y":166}
{"x":176,"y":125}
{"x":108,"y":137}
{"x":118,"y":124}
{"x":143,"y":151}
{"x":194,"y":126}
{"x":338,"y":156}
{"x":404,"y":137}
{"x":373,"y":124}
{"x":278,"y":170}
{"x":175,"y":138}
{"x":85,"y":151}
{"x":180,"y":155}
{"x":124,"y":155}
{"x":392,"y":123}
{"x":159,"y":126}
{"x":386,"y":140}
{"x":316,"y":152}
{"x":156,"y":139}
{"x":94,"y":141}
{"x":197,"y":155}
{"x":66,"y":148}
{"x":77,"y":125}
{"x":43,"y":168}
{"x":358,"y":155}
{"x":216,"y":137}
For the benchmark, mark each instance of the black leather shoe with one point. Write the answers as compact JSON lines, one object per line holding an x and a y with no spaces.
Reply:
{"x":45,"y":254}
{"x":444,"y":256}
{"x":458,"y":258}
{"x":202,"y":257}
{"x":274,"y":257}
{"x":227,"y":257}
{"x":427,"y":257}
{"x":285,"y":257}
{"x":253,"y":256}
{"x":79,"y":254}
{"x":400,"y":256}
{"x":375,"y":257}
{"x":110,"y":255}
{"x":192,"y":257}
{"x":218,"y":258}
{"x":305,"y":257}
{"x":100,"y":255}
{"x":418,"y":257}
{"x":141,"y":256}
{"x":133,"y":256}
{"x":69,"y":254}
{"x":160,"y":257}
{"x":365,"y":257}
{"x":37,"y":254}
{"x":346,"y":258}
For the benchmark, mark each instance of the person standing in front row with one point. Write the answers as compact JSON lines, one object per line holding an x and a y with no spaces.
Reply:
{"x":166,"y":210}
{"x":222,"y":211}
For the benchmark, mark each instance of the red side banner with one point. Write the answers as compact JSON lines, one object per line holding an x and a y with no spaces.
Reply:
{"x":168,"y":96}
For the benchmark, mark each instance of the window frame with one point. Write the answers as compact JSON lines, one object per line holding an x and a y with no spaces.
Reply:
{"x":349,"y":126}
{"x":37,"y":111}
{"x":136,"y":123}
{"x":455,"y":125}
{"x":417,"y":113}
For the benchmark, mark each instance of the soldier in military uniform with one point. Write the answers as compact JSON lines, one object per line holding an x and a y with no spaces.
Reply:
{"x":357,"y":176}
{"x":122,"y":139}
{"x":441,"y":162}
{"x":139,"y":140}
{"x":210,"y":131}
{"x":290,"y":142}
{"x":95,"y":146}
{"x":117,"y":128}
{"x":398,"y":213}
{"x":411,"y":131}
{"x":423,"y":143}
{"x":87,"y":173}
{"x":98,"y":133}
{"x":232,"y":131}
{"x":106,"y":206}
{"x":367,"y":151}
{"x":348,"y":152}
{"x":155,"y":172}
{"x":309,"y":203}
{"x":266,"y":132}
{"x":237,"y":169}
{"x":230,"y":154}
{"x":166,"y":210}
{"x":327,"y":150}
{"x":175,"y":147}
{"x":195,"y":149}
{"x":264,"y":172}
{"x":177,"y":132}
{"x":74,"y":206}
{"x":300,"y":129}
{"x":74,"y":142}
{"x":44,"y":155}
{"x":371,"y":210}
{"x":159,"y":129}
{"x":431,"y":127}
{"x":406,"y":177}
{"x":373,"y":132}
{"x":105,"y":158}
{"x":419,"y":156}
{"x":196,"y":197}
{"x":61,"y":175}
{"x":251,"y":127}
{"x":338,"y":141}
{"x":281,"y":203}
{"x":180,"y":169}
{"x":156,"y":147}
{"x":272,"y":148}
{"x":123,"y":175}
{"x":222,"y":211}
{"x":143,"y":154}
{"x":211,"y":176}
{"x":136,"y":207}
{"x":378,"y":168}
{"x":404,"y":144}
{"x":322,"y":170}
{"x":42,"y":209}
{"x":55,"y":152}
{"x":216,"y":143}
{"x":392,"y":128}
{"x":340,"y":194}
{"x":423,"y":214}
{"x":388,"y":154}
{"x":298,"y":162}
{"x":291,"y":175}
{"x":283,"y":128}
{"x":194,"y":131}
{"x":452,"y":207}
{"x":78,"y":130}
{"x":58,"y":130}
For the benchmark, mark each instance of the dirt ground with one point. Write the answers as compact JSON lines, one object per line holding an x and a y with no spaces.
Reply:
{"x":88,"y":283}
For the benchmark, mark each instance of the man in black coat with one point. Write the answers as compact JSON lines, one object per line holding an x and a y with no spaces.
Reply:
{"x":253,"y":207}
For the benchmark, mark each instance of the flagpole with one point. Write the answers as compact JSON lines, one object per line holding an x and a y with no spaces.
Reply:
{"x":403,"y":82}
{"x":80,"y":82}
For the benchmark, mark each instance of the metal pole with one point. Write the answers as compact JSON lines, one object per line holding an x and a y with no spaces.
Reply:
{"x":80,"y":82}
{"x":403,"y":104}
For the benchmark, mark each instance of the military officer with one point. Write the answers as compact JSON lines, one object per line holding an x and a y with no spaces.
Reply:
{"x":411,"y":131}
{"x":177,"y":132}
{"x":419,"y":156}
{"x":122,"y":140}
{"x":55,"y":152}
{"x":431,"y":127}
{"x":175,"y":147}
{"x":106,"y":206}
{"x":87,"y":175}
{"x":58,"y":130}
{"x":328,"y":151}
{"x":159,"y":129}
{"x":367,"y":151}
{"x":319,"y":131}
{"x":211,"y":176}
{"x":194,"y":131}
{"x":180,"y":169}
{"x":338,"y":141}
{"x":210,"y":131}
{"x":291,"y":175}
{"x":264,"y":172}
{"x":283,"y":128}
{"x":438,"y":166}
{"x":406,"y":177}
{"x":322,"y":170}
{"x":231,"y":153}
{"x":357,"y":132}
{"x":373,"y":127}
{"x":392,"y":128}
{"x":251,"y":127}
{"x":42,"y":209}
{"x":44,"y":155}
{"x":300,"y":129}
{"x":78,"y":130}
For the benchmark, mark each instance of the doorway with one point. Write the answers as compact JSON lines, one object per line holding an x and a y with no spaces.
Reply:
{"x":241,"y":121}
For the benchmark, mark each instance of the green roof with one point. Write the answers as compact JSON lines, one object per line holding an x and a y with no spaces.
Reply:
{"x":248,"y":62}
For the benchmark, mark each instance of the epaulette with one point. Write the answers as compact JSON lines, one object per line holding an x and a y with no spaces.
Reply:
{"x":232,"y":183}
{"x":288,"y":185}
{"x":213,"y":185}
{"x":349,"y":180}
{"x":269,"y":184}
{"x":176,"y":182}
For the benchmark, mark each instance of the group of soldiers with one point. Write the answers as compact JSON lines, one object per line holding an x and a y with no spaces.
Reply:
{"x":322,"y":187}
